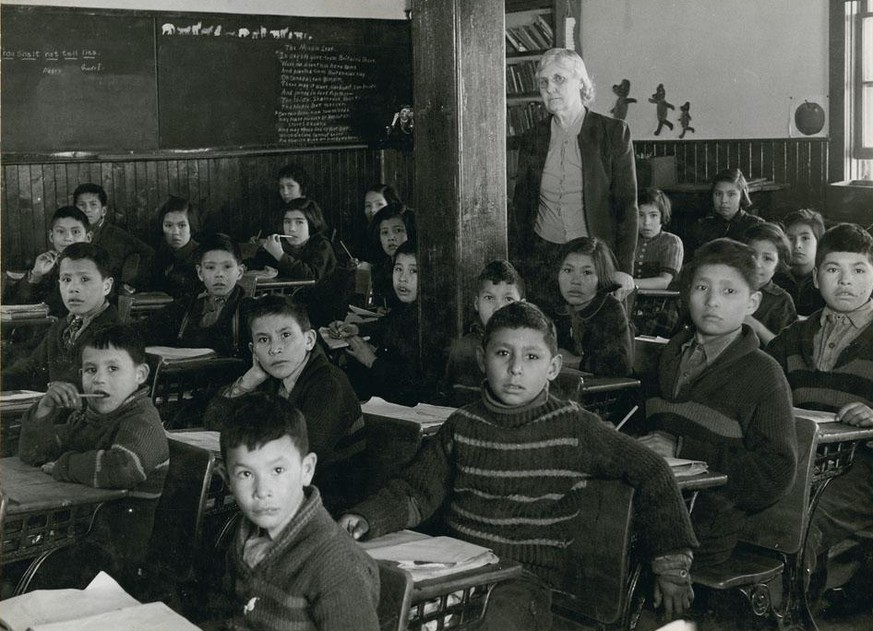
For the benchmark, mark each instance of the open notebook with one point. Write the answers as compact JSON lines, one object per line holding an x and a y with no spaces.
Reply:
{"x":427,"y":557}
{"x":100,"y":606}
{"x":816,"y":416}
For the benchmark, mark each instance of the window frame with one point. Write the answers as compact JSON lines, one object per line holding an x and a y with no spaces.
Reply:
{"x":860,"y":151}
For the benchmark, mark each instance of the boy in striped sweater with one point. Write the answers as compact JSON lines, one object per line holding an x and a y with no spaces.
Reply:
{"x":111,"y":439}
{"x":502,"y":471}
{"x":828,"y":359}
{"x":719,"y":398}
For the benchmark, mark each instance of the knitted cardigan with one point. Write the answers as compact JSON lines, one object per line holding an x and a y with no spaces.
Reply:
{"x":51,"y":361}
{"x":776,"y":310}
{"x":600,"y":334}
{"x":314,"y":260}
{"x":850,"y":380}
{"x":736,"y":416}
{"x":314,"y":576}
{"x":123,"y":449}
{"x":805,"y":295}
{"x":178,"y":324}
{"x":128,"y":256}
{"x":662,"y":253}
{"x":172,"y":271}
{"x":715,"y":226}
{"x":504,"y":477}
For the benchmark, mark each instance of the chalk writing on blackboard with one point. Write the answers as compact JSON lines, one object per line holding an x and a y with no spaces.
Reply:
{"x":56,"y":61}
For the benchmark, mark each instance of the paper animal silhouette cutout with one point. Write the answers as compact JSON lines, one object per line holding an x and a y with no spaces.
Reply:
{"x":659,"y":98}
{"x":621,"y":90}
{"x":685,"y":119}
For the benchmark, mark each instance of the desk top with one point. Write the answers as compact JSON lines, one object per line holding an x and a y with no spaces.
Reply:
{"x":207,"y":439}
{"x":29,"y":489}
{"x":278,"y":283}
{"x":593,"y":383}
{"x":701,"y":481}
{"x":840,"y":432}
{"x":428,"y":418}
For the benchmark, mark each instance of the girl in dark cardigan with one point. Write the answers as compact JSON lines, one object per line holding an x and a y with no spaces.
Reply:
{"x":772,"y":252}
{"x":300,"y":251}
{"x":593,"y":330}
{"x":172,"y":270}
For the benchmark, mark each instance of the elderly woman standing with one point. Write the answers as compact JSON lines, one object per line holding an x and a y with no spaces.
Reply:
{"x":576,"y":178}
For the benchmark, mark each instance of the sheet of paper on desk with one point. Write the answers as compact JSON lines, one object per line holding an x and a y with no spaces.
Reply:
{"x":74,"y":609}
{"x":8,"y":396}
{"x":169,"y":353}
{"x":210,"y":440}
{"x":431,"y":557}
{"x":816,"y":416}
{"x":364,"y":313}
{"x":333,"y":343}
{"x":683,"y":467}
{"x":423,"y":413}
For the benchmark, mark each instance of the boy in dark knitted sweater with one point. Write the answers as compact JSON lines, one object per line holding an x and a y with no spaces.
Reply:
{"x":113,"y":439}
{"x":290,"y":565}
{"x":286,"y":361}
{"x":502,"y":472}
{"x":212,"y":318}
{"x":721,"y":399}
{"x":85,"y":283}
{"x":499,"y":284}
{"x":828,"y":359}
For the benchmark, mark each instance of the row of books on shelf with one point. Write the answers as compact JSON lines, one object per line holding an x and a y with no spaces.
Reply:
{"x":521,"y":117}
{"x":537,"y":35}
{"x":521,"y":78}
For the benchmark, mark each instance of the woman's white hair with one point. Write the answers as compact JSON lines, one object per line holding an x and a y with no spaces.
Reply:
{"x":572,"y":59}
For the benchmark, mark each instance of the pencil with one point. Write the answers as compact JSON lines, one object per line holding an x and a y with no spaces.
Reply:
{"x":93,"y":396}
{"x":627,"y":417}
{"x":346,"y":249}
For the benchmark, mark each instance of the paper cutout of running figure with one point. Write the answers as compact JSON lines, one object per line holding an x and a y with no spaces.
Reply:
{"x":621,"y":90}
{"x":685,"y":119}
{"x":659,"y":98}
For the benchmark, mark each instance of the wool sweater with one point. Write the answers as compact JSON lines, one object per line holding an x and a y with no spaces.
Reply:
{"x":850,"y":380}
{"x":47,"y":290}
{"x":51,"y":361}
{"x":805,"y":295}
{"x":314,"y":576}
{"x":776,"y":310}
{"x":600,"y":334}
{"x":662,"y":253}
{"x":178,"y":324}
{"x":123,"y":449}
{"x":504,"y":477}
{"x":128,"y":256}
{"x":736,"y":415}
{"x":172,"y":272}
{"x":314,"y":260}
{"x":715,"y":227}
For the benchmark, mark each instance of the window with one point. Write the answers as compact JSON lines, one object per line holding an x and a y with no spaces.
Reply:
{"x":859,"y":88}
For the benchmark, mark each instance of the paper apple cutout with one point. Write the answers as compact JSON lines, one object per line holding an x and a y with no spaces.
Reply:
{"x":809,"y":118}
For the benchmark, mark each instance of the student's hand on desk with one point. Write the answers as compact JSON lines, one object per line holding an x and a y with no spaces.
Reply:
{"x":43,"y":265}
{"x":48,"y":467}
{"x":363,"y":351}
{"x":273,"y":245}
{"x":340,"y":330}
{"x":355,"y":525}
{"x":627,"y":285}
{"x":60,"y":394}
{"x":857,"y":414}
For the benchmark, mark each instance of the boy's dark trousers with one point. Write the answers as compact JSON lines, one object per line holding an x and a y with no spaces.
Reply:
{"x":522,"y":604}
{"x":717,"y":523}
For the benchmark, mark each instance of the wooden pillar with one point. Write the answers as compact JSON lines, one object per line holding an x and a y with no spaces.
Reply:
{"x":460,"y":159}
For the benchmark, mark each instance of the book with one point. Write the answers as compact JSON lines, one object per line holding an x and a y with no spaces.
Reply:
{"x":171,"y":354}
{"x":817,"y":416}
{"x":102,"y":605}
{"x":10,"y":313}
{"x":424,"y":414}
{"x":429,"y":557}
{"x":334,"y":343}
{"x":683,"y":468}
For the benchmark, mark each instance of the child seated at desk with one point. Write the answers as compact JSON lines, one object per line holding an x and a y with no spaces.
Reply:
{"x":111,"y":439}
{"x":804,"y":228}
{"x":300,"y":251}
{"x":776,"y":310}
{"x":503,"y":470}
{"x":388,"y":365}
{"x":391,"y":227}
{"x":593,"y":330}
{"x":287,"y":361}
{"x":719,"y":398}
{"x":172,"y":270}
{"x":85,"y":283}
{"x":210,"y":319}
{"x":290,"y":565}
{"x":730,"y":199}
{"x":69,"y":225}
{"x":828,"y":359}
{"x":128,"y":256}
{"x":499,"y":284}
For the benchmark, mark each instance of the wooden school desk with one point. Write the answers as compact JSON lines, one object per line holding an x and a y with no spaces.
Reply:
{"x":13,"y":405}
{"x":42,"y":514}
{"x":256,"y":286}
{"x":139,"y":306}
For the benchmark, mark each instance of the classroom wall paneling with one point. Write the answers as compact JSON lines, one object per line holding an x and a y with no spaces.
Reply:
{"x":234,"y":191}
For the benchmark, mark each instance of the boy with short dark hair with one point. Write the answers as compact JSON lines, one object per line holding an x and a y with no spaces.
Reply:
{"x":828,"y":359}
{"x":210,"y":319}
{"x":85,"y":283}
{"x":803,"y":228}
{"x":721,"y":399}
{"x":499,"y":284}
{"x":69,"y":225}
{"x":113,"y":439}
{"x":128,"y":256}
{"x":504,"y":469}
{"x":290,"y":565}
{"x":287,"y":361}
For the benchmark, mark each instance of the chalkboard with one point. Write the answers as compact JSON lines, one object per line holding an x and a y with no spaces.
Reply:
{"x":117,"y":81}
{"x":76,"y":80}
